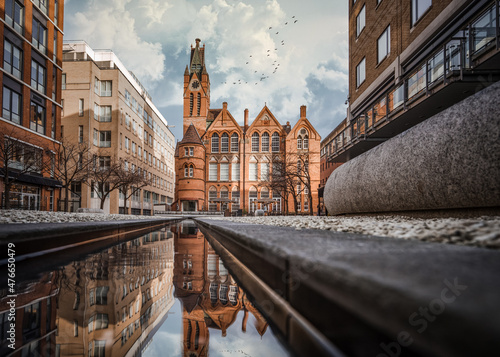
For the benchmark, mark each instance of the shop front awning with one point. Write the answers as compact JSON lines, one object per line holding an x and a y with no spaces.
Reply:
{"x":33,"y":179}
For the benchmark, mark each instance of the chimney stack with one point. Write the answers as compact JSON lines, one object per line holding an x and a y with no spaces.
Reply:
{"x":246,"y":119}
{"x":303,"y":111}
{"x":224,"y":105}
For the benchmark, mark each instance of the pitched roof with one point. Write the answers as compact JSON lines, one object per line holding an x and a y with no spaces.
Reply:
{"x":191,"y":136}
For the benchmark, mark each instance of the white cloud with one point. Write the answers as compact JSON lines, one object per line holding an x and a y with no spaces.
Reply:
{"x":109,"y":25}
{"x":153,"y":38}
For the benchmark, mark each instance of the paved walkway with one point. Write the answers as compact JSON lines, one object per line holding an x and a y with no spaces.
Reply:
{"x":371,"y":294}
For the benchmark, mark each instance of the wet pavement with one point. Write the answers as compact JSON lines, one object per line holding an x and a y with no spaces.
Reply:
{"x":166,"y":293}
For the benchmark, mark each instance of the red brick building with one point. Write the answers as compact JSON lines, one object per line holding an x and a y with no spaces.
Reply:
{"x":31,"y":50}
{"x":221,"y":165}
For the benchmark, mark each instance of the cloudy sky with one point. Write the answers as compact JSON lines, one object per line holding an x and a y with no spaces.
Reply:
{"x":301,"y":60}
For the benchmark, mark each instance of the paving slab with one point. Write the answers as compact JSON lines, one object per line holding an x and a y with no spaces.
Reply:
{"x":373,"y":295}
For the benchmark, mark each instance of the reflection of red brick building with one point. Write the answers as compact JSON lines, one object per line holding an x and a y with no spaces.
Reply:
{"x":210,"y":297}
{"x":223,"y":165}
{"x":35,"y":318}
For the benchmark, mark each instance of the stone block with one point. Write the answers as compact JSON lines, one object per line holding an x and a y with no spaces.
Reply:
{"x":451,"y":160}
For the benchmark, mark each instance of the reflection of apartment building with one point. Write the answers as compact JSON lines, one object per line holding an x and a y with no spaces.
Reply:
{"x":211,"y":298}
{"x":411,"y":59}
{"x":35,"y":318}
{"x":112,"y":303}
{"x":31,"y":44}
{"x":106,"y":107}
{"x":223,"y":165}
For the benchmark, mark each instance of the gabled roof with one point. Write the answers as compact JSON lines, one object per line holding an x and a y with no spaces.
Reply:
{"x":218,"y":116}
{"x":306,"y":123}
{"x":266,"y":110}
{"x":191,"y":136}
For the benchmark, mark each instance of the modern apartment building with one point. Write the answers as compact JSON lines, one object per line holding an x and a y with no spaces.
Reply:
{"x":31,"y":40}
{"x":409,"y":60}
{"x":106,"y":107}
{"x":222,"y":165}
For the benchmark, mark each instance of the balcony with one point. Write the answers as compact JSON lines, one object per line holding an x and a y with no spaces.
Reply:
{"x":465,"y":64}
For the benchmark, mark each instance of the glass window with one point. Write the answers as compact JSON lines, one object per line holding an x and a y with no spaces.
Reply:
{"x":37,"y":118}
{"x":42,"y":5}
{"x":105,"y":88}
{"x":384,"y":44}
{"x":360,"y":21}
{"x":235,"y":171}
{"x":234,"y":143}
{"x":483,"y":30}
{"x":12,"y":59}
{"x":235,"y":197}
{"x":38,"y":76}
{"x":418,"y":8}
{"x":105,"y":139}
{"x":264,"y":171}
{"x":275,"y":142}
{"x":212,"y":194}
{"x":12,"y":104}
{"x":105,"y":113}
{"x":80,"y":107}
{"x":215,"y":142}
{"x":224,"y":143}
{"x":252,"y":174}
{"x":186,"y":171}
{"x":63,"y":81}
{"x":191,"y":171}
{"x":360,"y":73}
{"x":212,"y":172}
{"x":255,"y":142}
{"x":14,"y":15}
{"x":39,"y":36}
{"x":224,"y":171}
{"x":265,"y":142}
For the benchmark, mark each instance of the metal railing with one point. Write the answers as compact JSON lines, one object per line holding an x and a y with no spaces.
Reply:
{"x":451,"y":60}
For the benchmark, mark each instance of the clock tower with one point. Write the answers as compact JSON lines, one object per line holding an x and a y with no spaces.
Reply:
{"x":196,"y":90}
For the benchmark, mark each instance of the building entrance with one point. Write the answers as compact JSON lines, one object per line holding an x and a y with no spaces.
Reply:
{"x":189,"y":206}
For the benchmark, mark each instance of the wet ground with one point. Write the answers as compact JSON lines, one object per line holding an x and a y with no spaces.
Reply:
{"x":166,"y":293}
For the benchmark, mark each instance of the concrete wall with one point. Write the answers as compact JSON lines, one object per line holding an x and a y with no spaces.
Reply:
{"x":451,"y":160}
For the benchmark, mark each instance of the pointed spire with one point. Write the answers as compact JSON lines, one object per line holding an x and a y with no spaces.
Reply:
{"x":186,"y":72}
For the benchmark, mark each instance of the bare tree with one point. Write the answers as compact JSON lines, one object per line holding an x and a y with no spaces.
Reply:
{"x":133,"y":181}
{"x":303,"y":176}
{"x":19,"y":158}
{"x":105,"y":177}
{"x":74,"y":161}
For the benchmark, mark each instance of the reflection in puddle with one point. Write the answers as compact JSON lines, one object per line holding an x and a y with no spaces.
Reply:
{"x":114,"y":302}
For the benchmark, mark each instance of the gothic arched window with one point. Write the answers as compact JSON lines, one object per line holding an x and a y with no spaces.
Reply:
{"x":275,"y":142}
{"x":255,"y":142}
{"x":191,"y":99}
{"x":234,"y":143}
{"x":199,"y":103}
{"x":265,"y":142}
{"x":224,"y":143}
{"x":215,"y":142}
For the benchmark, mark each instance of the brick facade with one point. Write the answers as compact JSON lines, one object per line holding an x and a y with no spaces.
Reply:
{"x":31,"y":96}
{"x":224,"y":171}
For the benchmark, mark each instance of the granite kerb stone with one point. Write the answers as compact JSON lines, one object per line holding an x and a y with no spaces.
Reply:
{"x":383,"y":281}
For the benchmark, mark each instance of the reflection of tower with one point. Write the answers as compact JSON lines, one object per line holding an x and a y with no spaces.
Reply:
{"x":189,"y":281}
{"x":210,"y":296}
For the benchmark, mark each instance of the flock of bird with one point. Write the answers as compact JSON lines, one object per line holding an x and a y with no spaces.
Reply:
{"x":275,"y":64}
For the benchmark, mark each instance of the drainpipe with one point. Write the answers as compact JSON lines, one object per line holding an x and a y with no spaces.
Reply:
{"x":245,"y":126}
